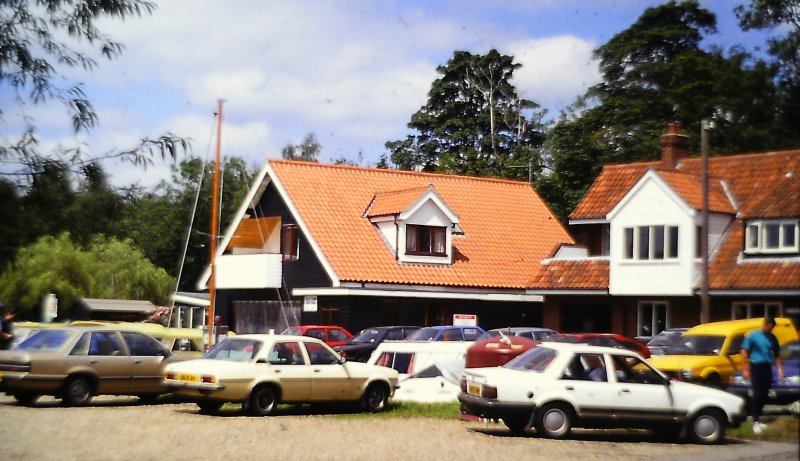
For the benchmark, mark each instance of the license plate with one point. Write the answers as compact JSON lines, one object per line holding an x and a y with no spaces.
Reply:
{"x":189,"y":378}
{"x":474,"y":389}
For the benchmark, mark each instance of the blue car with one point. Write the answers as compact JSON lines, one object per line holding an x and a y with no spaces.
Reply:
{"x":446,"y":333}
{"x":783,"y":392}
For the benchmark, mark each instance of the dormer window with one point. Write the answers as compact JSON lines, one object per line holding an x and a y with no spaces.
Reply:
{"x":426,"y":240}
{"x":773,"y":236}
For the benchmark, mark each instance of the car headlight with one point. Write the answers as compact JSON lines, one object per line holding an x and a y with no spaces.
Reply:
{"x":687,"y":373}
{"x":794,"y":380}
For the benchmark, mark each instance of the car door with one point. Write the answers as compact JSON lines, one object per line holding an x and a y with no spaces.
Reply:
{"x":589,"y":389}
{"x":287,"y":362}
{"x":148,"y":359}
{"x":640,"y":392}
{"x":103,"y":354}
{"x":330,"y":380}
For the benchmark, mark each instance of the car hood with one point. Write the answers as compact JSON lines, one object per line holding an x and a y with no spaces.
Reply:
{"x":681,"y":362}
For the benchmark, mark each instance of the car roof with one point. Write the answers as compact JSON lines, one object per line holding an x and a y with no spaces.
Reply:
{"x":271,"y":337}
{"x":520,"y":329}
{"x":577,"y":348}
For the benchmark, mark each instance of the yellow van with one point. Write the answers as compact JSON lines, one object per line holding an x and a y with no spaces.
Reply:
{"x":710,"y":353}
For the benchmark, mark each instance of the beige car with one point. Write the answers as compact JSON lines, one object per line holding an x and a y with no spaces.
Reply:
{"x":261,"y":371}
{"x":77,"y":363}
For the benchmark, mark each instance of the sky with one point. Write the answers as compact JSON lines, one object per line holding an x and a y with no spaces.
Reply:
{"x":350,"y":71}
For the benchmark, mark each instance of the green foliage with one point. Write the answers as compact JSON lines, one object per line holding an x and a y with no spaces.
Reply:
{"x":308,"y":150}
{"x":108,"y":268}
{"x":655,"y":72}
{"x":474,"y":123}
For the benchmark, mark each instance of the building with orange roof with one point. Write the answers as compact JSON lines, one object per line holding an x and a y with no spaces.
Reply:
{"x":361,"y":247}
{"x":637,"y":268}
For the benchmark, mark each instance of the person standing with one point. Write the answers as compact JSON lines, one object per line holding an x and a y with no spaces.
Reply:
{"x":6,"y":327}
{"x":760,"y":350}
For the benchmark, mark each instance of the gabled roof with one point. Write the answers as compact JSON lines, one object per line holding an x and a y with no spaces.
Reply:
{"x":393,"y":202}
{"x":508,"y":228}
{"x":690,"y":188}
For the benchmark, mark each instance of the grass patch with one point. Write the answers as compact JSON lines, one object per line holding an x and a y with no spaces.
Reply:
{"x":413,"y":410}
{"x":780,"y":429}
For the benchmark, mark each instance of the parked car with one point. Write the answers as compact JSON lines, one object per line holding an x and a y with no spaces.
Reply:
{"x":331,"y":335}
{"x":601,"y":339}
{"x":261,"y":371}
{"x":549,"y":388}
{"x":411,"y":357}
{"x":367,"y":340}
{"x":784,"y":391}
{"x":534,"y":333}
{"x":446,"y":333}
{"x":24,"y":329}
{"x":661,"y":342}
{"x":77,"y":363}
{"x":710,"y":353}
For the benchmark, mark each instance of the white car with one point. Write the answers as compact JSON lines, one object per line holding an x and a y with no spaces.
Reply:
{"x":261,"y":371}
{"x":557,"y":386}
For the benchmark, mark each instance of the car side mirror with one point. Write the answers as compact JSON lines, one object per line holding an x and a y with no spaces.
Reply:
{"x":342,"y":360}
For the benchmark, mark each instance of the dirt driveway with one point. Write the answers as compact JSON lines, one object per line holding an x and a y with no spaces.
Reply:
{"x":119,"y":428}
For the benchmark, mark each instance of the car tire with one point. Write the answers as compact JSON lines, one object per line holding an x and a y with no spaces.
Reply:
{"x":707,"y":426}
{"x":26,"y":398}
{"x":209,"y":407}
{"x":517,"y":424}
{"x":375,"y":398}
{"x":262,"y":401}
{"x":148,"y":399}
{"x":77,"y":392}
{"x":714,"y":381}
{"x":554,"y":420}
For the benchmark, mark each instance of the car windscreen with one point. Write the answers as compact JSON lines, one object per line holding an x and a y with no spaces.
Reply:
{"x":790,"y":351}
{"x":293,"y":331}
{"x":536,"y":359}
{"x":562,"y":339}
{"x":235,"y":350}
{"x":43,"y":340}
{"x":697,"y":345}
{"x":370,"y":335}
{"x":665,"y":338}
{"x":423,"y":334}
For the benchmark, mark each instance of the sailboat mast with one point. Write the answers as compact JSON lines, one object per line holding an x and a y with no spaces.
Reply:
{"x":214,"y":225}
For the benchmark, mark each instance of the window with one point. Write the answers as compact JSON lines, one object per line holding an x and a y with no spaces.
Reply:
{"x":319,"y":355}
{"x":290,"y":242}
{"x":646,"y":243}
{"x":779,"y":236}
{"x":105,"y":343}
{"x":753,"y":310}
{"x":141,"y":345}
{"x":653,"y":318}
{"x":426,"y":240}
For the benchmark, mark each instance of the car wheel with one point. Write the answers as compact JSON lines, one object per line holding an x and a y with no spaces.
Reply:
{"x":375,"y":398}
{"x":26,"y":398}
{"x":209,"y":408}
{"x":554,"y":420}
{"x":714,"y":381}
{"x":261,"y":402}
{"x":517,"y":424}
{"x":148,"y":399}
{"x":77,"y":392}
{"x":707,"y":426}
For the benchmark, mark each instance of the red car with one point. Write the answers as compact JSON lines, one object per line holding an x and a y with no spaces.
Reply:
{"x":332,"y":335}
{"x":602,"y":339}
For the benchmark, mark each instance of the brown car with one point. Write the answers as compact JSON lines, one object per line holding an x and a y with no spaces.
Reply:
{"x":77,"y":363}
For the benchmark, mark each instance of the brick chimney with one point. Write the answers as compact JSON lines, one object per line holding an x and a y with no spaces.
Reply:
{"x":674,"y":145}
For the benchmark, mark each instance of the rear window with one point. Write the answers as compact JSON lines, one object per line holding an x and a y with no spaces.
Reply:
{"x":423,"y":334}
{"x":536,"y":359}
{"x":44,"y":340}
{"x":403,"y":362}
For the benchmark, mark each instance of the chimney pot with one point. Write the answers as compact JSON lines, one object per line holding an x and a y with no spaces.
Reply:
{"x":674,"y":145}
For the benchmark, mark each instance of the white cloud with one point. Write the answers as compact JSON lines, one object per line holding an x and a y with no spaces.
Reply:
{"x":554,"y":70}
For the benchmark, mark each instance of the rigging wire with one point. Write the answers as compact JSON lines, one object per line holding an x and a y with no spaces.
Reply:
{"x":191,"y":221}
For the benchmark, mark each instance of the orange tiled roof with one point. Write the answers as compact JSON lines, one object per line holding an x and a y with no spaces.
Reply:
{"x":507,"y":228}
{"x":569,"y":274}
{"x":393,"y":202}
{"x":690,"y":189}
{"x":613,"y":182}
{"x":727,"y":272}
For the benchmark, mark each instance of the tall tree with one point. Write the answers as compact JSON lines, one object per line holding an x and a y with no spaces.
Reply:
{"x":474,"y":122}
{"x":39,"y":38}
{"x":655,"y":72}
{"x":307,"y":150}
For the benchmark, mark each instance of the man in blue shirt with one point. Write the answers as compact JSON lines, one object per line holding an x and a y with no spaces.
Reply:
{"x":760,"y":350}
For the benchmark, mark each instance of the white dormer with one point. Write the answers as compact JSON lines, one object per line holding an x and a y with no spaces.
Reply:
{"x":416,"y":224}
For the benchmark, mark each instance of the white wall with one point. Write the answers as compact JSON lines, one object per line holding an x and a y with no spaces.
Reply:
{"x":428,"y":214}
{"x":652,"y":204}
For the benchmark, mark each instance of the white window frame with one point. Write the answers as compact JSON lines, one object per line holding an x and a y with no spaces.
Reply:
{"x":668,"y":253}
{"x":756,"y":236}
{"x":652,"y":306}
{"x":773,"y":308}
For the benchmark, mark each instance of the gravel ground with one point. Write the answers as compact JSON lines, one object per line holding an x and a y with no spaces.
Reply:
{"x":120,"y":428}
